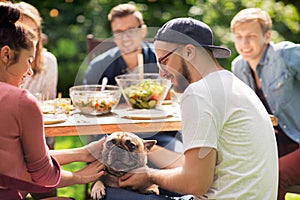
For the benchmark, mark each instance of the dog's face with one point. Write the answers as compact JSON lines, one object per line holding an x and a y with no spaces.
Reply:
{"x":121,"y":153}
{"x":124,"y":151}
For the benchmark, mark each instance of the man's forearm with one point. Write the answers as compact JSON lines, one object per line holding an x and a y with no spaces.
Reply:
{"x":164,"y":158}
{"x":194,"y":177}
{"x":172,"y":180}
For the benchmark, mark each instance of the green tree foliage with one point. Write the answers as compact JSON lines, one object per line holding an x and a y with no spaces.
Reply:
{"x":76,"y":18}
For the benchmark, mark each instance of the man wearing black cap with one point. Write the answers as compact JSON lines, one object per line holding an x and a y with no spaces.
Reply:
{"x":229,"y":143}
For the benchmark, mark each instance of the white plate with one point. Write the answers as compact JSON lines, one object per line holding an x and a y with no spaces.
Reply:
{"x":48,"y":106}
{"x":54,"y":119}
{"x":145,"y":114}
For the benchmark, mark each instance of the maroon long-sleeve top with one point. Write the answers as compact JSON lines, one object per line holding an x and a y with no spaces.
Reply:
{"x":23,"y":151}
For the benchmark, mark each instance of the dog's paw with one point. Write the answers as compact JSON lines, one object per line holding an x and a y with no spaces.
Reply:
{"x":98,"y":191}
{"x":153,"y":189}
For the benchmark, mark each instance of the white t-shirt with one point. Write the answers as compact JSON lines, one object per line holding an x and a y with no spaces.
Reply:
{"x":223,"y":113}
{"x":44,"y":83}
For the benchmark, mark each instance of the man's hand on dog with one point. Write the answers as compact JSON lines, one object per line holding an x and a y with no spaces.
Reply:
{"x":137,"y":179}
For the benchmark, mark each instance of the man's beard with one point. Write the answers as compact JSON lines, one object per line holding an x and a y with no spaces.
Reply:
{"x":183,"y":78}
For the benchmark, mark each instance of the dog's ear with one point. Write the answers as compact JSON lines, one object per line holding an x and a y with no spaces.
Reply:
{"x":149,"y":144}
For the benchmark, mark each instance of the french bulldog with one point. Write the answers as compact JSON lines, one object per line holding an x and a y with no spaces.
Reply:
{"x":122,"y":152}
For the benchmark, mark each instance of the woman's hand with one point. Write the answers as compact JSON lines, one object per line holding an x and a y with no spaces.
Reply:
{"x":89,"y":173}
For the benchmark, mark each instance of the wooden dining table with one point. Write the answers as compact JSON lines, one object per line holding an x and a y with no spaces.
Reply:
{"x":77,"y":123}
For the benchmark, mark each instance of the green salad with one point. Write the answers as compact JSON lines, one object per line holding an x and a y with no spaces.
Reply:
{"x":144,"y":95}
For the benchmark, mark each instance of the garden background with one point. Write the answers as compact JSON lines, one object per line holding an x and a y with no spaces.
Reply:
{"x":67,"y":23}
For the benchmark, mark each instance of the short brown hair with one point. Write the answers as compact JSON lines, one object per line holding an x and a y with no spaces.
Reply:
{"x":252,"y":14}
{"x":29,"y":11}
{"x":123,"y":10}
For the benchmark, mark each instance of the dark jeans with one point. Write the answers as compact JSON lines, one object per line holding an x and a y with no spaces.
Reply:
{"x":122,"y":194}
{"x":289,"y":163}
{"x":171,"y":140}
{"x":284,"y":143}
{"x":38,"y":196}
{"x":289,"y":172}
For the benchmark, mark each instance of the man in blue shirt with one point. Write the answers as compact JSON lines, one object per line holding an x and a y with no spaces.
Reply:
{"x":273,"y":72}
{"x":129,"y":31}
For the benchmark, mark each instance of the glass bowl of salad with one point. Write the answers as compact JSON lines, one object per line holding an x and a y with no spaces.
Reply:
{"x":95,"y":100}
{"x":146,"y":91}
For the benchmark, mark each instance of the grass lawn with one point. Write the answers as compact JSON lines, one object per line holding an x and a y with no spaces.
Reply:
{"x":290,"y":196}
{"x":75,"y":191}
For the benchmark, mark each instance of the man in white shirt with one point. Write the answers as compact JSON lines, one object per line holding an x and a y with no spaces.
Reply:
{"x":229,"y":144}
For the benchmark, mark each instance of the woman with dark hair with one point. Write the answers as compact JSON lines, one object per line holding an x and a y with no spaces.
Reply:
{"x":25,"y":157}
